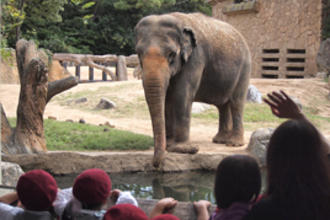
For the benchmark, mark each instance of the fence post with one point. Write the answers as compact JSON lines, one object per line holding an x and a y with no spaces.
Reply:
{"x":65,"y":65}
{"x":104,"y":76}
{"x":78,"y":71}
{"x":91,"y":74}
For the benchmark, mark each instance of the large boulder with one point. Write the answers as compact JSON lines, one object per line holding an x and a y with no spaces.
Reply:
{"x":106,"y":104}
{"x":10,"y":173}
{"x":8,"y":67}
{"x":258,"y":144}
{"x":323,"y":56}
{"x":198,"y":107}
{"x":253,"y":95}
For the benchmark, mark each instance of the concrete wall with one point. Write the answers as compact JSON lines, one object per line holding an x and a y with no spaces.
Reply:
{"x":283,"y":36}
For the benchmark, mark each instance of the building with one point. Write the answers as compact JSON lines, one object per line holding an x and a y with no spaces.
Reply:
{"x":283,"y":35}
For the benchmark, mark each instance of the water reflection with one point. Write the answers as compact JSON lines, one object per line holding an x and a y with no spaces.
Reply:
{"x":183,"y":186}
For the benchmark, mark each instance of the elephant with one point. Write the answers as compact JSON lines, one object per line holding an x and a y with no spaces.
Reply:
{"x":186,"y":58}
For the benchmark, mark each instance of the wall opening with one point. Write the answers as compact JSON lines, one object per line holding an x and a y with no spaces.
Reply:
{"x":295,"y":60}
{"x":270,"y":67}
{"x":295,"y":68}
{"x":294,"y":77}
{"x":270,"y":59}
{"x":271,"y":50}
{"x":297,"y":51}
{"x":269,"y":76}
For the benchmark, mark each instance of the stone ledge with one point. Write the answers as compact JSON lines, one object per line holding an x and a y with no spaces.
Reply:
{"x":241,"y":8}
{"x":60,"y":163}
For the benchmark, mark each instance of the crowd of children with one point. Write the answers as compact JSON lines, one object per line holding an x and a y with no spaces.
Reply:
{"x":298,"y":184}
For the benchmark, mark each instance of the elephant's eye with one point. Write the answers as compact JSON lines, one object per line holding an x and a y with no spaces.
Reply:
{"x":171,"y":57}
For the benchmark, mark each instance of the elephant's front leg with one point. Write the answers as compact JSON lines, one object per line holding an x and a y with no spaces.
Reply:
{"x":169,"y":121}
{"x":181,"y":103}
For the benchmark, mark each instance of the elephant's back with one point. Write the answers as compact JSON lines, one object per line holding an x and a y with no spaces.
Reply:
{"x":212,"y":31}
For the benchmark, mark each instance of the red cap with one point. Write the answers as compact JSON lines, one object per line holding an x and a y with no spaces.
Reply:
{"x":92,"y":186}
{"x":166,"y":217}
{"x":125,"y":212}
{"x":37,"y":190}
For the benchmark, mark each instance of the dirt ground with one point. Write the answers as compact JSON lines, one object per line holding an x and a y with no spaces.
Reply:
{"x":310,"y":92}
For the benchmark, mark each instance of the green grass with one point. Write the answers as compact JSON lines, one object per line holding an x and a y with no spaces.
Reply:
{"x":260,"y":115}
{"x":84,"y":137}
{"x":252,"y":113}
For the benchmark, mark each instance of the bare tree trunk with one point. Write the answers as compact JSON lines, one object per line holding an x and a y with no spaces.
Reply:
{"x":28,"y":136}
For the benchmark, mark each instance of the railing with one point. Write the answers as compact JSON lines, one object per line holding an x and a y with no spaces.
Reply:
{"x":101,"y":62}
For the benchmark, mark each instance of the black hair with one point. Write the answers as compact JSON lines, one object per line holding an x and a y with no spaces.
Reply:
{"x":298,"y":171}
{"x":238,"y":179}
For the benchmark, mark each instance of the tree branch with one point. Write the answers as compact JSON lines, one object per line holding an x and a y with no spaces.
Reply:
{"x":59,"y":86}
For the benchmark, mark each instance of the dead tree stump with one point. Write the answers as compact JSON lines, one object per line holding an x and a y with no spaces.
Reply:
{"x":28,"y":136}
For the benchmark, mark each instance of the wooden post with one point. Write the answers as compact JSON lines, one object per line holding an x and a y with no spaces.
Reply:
{"x":78,"y":71}
{"x":104,"y":76}
{"x":91,"y":73}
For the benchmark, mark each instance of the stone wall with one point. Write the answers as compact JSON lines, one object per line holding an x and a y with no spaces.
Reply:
{"x":283,"y":36}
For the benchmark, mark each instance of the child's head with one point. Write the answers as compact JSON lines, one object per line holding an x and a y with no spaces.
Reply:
{"x":238,"y":179}
{"x":92,"y":188}
{"x":37,"y":190}
{"x":125,"y":212}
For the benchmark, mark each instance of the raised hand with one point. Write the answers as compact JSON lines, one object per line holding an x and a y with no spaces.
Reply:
{"x":201,"y":208}
{"x":283,"y":106}
{"x":163,"y":206}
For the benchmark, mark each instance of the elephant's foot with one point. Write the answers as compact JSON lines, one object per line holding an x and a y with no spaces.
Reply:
{"x":221,"y":137}
{"x":158,"y":157}
{"x":235,"y":140}
{"x":184,"y":149}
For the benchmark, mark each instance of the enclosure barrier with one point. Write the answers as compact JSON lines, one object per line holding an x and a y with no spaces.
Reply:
{"x":101,"y":62}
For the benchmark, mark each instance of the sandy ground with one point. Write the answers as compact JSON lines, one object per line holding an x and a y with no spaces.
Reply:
{"x":308,"y":91}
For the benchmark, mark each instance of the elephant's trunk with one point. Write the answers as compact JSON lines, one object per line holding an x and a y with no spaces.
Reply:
{"x":155,"y":83}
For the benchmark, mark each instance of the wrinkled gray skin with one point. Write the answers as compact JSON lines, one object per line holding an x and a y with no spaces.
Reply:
{"x":186,"y":58}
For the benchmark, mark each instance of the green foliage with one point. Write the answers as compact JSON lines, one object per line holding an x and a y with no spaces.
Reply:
{"x":82,"y":137}
{"x":86,"y":26}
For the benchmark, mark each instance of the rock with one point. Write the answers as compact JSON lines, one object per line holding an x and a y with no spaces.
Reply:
{"x":198,"y":107}
{"x":321,"y":75}
{"x":80,"y":100}
{"x":253,"y":95}
{"x":52,"y":118}
{"x":77,"y":101}
{"x":108,"y":124}
{"x":106,"y":129}
{"x":10,"y":173}
{"x":297,"y":101}
{"x":106,"y":104}
{"x":82,"y":121}
{"x":323,"y":56}
{"x":69,"y":120}
{"x":258,"y":144}
{"x":8,"y":67}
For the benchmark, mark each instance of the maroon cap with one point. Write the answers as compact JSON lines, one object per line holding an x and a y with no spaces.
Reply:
{"x":92,"y":187}
{"x":165,"y":217}
{"x":125,"y":212}
{"x":37,"y":190}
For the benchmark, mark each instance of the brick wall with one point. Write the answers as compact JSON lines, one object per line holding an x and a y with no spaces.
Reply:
{"x":283,"y":35}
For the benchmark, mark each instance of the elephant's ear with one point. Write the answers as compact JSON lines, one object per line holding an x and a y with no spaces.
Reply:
{"x":188,"y":43}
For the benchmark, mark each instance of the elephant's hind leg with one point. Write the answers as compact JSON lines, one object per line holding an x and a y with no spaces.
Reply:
{"x":225,"y":124}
